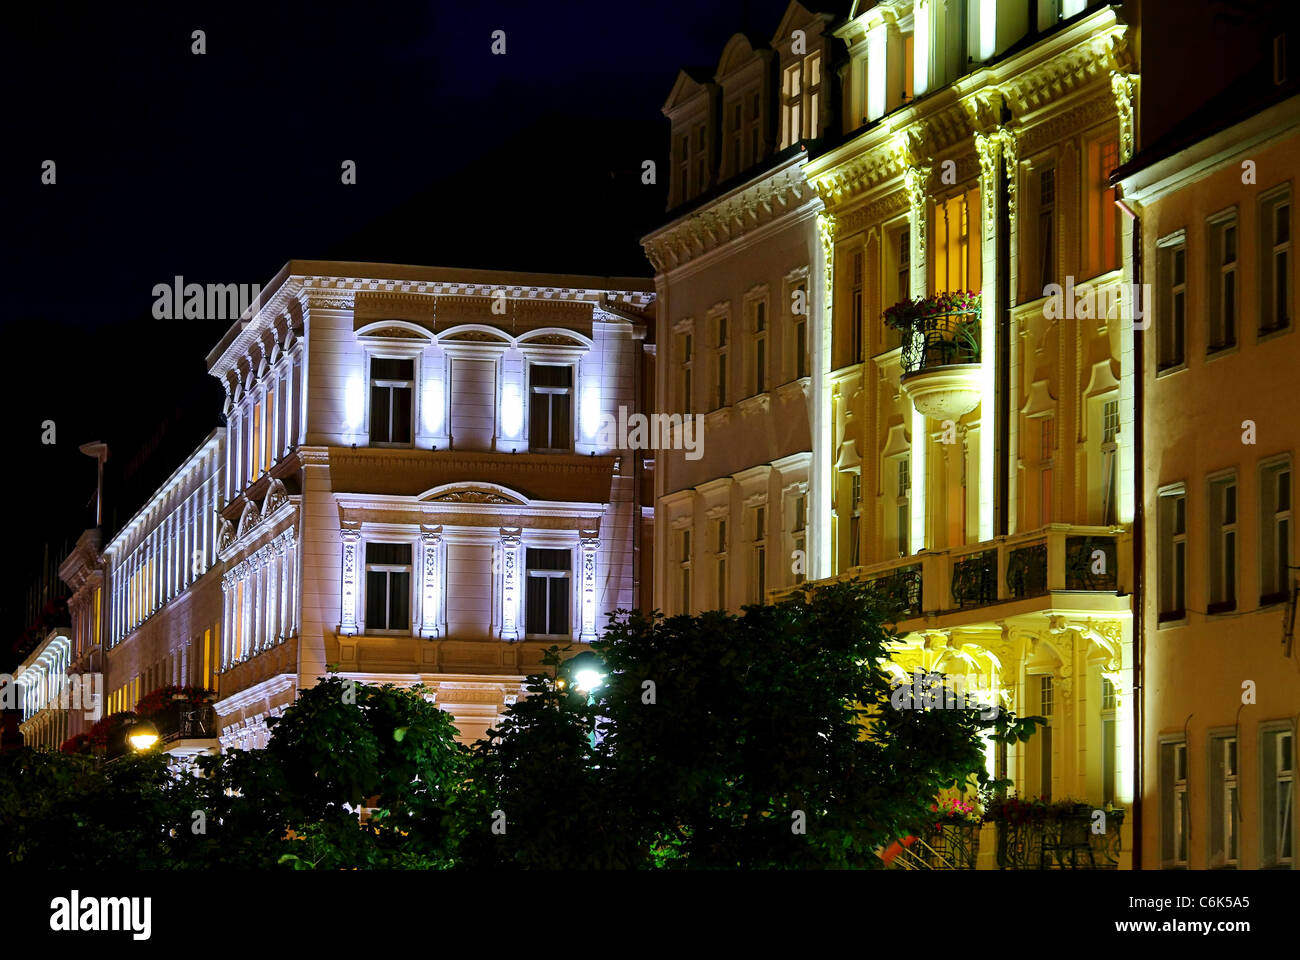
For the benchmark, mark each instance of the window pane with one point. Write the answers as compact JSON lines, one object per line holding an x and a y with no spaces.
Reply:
{"x":539,"y":420}
{"x":376,"y":600}
{"x":399,"y":601}
{"x":546,"y":375}
{"x":386,"y":368}
{"x":388,"y":553}
{"x":401,"y":427}
{"x":561,"y":421}
{"x":535,"y":612}
{"x":379,"y":432}
{"x":559,"y":603}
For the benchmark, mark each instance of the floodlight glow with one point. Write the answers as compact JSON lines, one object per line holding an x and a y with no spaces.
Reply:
{"x":512,"y":410}
{"x":354,"y":402}
{"x":591,"y":411}
{"x":585,"y":681}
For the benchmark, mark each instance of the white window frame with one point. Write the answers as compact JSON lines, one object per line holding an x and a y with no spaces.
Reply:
{"x":1171,"y":333}
{"x":1276,"y":524}
{"x":368,"y":567}
{"x":1222,"y":267}
{"x":1222,"y":534}
{"x":1272,"y":248}
{"x":1169,"y":544}
{"x":531,"y":574}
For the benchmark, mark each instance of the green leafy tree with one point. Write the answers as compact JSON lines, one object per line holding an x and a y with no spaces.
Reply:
{"x":765,"y":740}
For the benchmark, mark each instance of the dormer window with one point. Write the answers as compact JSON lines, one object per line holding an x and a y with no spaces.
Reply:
{"x":792,"y":105}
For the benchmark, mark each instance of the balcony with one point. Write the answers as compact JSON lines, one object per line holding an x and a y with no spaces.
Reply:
{"x":941,"y":353}
{"x":1065,"y":841}
{"x":1060,"y":565}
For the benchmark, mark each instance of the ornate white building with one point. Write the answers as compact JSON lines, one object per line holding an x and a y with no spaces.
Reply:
{"x":417,"y":483}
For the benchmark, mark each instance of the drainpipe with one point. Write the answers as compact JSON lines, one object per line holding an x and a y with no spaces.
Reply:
{"x":1139,"y":539}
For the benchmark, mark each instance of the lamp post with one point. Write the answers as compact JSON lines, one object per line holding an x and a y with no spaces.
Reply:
{"x":142,"y":736}
{"x":585,"y":673}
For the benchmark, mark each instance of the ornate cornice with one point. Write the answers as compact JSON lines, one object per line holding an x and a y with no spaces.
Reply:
{"x":729,"y":218}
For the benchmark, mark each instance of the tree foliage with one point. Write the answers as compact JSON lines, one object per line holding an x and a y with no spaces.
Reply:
{"x":764,"y":740}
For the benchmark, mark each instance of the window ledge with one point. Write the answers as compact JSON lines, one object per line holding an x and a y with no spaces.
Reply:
{"x":1174,"y":618}
{"x":759,"y":401}
{"x":1272,"y":333}
{"x":1225,"y":350}
{"x":1171,"y":369}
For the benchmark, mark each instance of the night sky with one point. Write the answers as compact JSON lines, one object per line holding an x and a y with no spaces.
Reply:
{"x":222,"y":167}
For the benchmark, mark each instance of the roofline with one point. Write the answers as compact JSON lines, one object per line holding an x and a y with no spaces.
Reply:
{"x":347,"y":276}
{"x":213,"y":437}
{"x":1145,"y":181}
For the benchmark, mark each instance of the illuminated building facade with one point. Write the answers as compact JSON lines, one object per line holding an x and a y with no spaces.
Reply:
{"x":1218,"y":363}
{"x":420,"y":480}
{"x":741,"y":326}
{"x":977,"y":462}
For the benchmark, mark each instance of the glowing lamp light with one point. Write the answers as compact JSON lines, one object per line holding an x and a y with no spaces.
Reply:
{"x":586,"y":671}
{"x":433,"y":407}
{"x":354,"y":402}
{"x":142,"y":736}
{"x":585,"y":681}
{"x":512,"y":410}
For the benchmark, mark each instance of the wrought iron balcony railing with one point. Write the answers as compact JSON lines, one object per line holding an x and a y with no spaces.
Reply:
{"x":1059,"y":557}
{"x":1065,"y":842}
{"x":941,"y":340}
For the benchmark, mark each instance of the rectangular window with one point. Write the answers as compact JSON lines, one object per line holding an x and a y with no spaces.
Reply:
{"x":1275,"y":532}
{"x":1046,"y":228}
{"x":550,"y":408}
{"x":1223,"y":545}
{"x":1103,"y":223}
{"x":392,"y":386}
{"x":955,"y":251}
{"x":388,"y":587}
{"x":759,"y":522}
{"x":1174,"y":811}
{"x":549,"y":592}
{"x":1109,"y":456}
{"x":1173,"y":555}
{"x":759,"y":309}
{"x":94,"y":636}
{"x":1278,"y":820}
{"x":791,"y":102}
{"x":688,"y":360}
{"x":903,"y":509}
{"x":737,"y":138}
{"x":684,"y":566}
{"x":720,"y":381}
{"x":855,"y":521}
{"x":1046,"y":707}
{"x":1225,"y":814}
{"x":1171,"y":328}
{"x":1221,"y":274}
{"x":268,"y":443}
{"x":1275,"y":262}
{"x":720,"y":560}
{"x":237,"y":628}
{"x":255,"y":461}
{"x":701,"y":161}
{"x":1046,"y":447}
{"x":799,"y":510}
{"x":1109,"y":739}
{"x":855,"y":332}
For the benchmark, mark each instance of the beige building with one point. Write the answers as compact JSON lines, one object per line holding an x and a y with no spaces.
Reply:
{"x":1221,"y":430}
{"x":741,"y":334}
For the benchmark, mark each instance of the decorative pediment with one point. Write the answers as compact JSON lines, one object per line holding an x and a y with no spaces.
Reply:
{"x":247,"y":520}
{"x":225,"y":533}
{"x":476,"y":336}
{"x":477,"y":493}
{"x":276,"y":496}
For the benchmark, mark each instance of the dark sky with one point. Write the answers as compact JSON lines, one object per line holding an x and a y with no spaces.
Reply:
{"x":221,"y":167}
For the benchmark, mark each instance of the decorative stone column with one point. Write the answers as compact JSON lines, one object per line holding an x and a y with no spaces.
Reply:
{"x":511,"y":581}
{"x":431,"y":581}
{"x":588,"y":547}
{"x":351,"y":537}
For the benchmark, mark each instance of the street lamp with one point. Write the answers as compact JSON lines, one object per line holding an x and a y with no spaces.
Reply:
{"x":587,"y":672}
{"x":142,"y":736}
